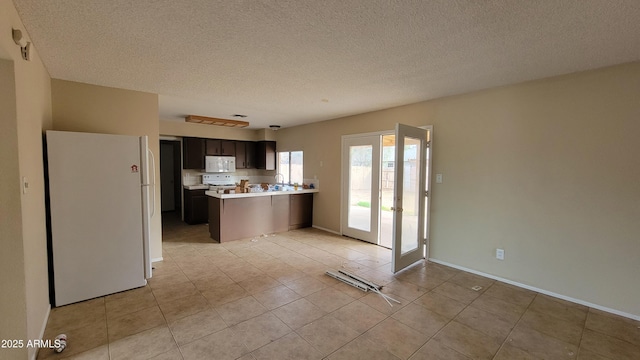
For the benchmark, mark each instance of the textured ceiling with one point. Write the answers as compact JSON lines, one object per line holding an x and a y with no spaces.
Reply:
{"x":290,"y":62}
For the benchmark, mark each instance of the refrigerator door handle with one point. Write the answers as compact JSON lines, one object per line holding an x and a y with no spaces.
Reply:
{"x":153,"y":183}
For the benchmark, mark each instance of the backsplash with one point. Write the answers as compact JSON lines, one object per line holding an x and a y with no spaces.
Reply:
{"x":194,"y":177}
{"x":255,"y":176}
{"x":191,"y":177}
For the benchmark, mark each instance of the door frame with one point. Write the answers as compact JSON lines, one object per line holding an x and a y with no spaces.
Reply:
{"x":428,"y":194}
{"x":428,"y":180}
{"x":375,"y":192}
{"x":177,"y":169}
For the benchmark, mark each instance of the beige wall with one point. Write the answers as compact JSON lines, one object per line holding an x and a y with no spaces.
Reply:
{"x":13,"y":303}
{"x":99,"y":109}
{"x":26,"y":112}
{"x":547,"y":170}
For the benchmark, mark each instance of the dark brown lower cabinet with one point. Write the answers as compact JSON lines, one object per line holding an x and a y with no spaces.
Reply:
{"x":300,"y":211}
{"x":196,"y":207}
{"x":246,"y":217}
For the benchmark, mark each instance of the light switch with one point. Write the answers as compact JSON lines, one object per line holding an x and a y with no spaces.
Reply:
{"x":25,"y":184}
{"x":438,"y":178}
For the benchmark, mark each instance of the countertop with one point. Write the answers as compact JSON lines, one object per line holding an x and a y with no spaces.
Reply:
{"x":265,"y":193}
{"x":196,"y":187}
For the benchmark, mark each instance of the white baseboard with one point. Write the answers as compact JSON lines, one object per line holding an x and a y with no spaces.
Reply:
{"x":325,"y":229}
{"x":157,"y":259}
{"x":33,"y":352}
{"x":541,"y":291}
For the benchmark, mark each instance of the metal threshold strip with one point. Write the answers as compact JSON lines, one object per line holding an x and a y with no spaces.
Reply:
{"x":361,"y":284}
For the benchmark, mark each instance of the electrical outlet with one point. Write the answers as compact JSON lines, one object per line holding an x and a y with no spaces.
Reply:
{"x":438,"y":178}
{"x":500,"y":254}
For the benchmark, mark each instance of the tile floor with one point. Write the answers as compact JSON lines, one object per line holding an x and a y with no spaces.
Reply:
{"x":270,"y":299}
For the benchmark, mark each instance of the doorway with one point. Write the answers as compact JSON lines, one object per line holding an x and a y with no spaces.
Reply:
{"x":170,"y":175}
{"x":385,"y":182}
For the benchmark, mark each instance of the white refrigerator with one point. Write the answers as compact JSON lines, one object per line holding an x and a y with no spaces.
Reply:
{"x":99,"y":211}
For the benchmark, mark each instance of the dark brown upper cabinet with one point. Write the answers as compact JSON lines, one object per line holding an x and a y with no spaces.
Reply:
{"x":266,"y":155}
{"x":215,"y":147}
{"x":241,"y":156}
{"x":250,"y":155}
{"x":193,"y":151}
{"x":245,"y":155}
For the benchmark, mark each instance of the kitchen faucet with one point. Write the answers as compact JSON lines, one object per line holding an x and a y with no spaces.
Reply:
{"x":281,"y":176}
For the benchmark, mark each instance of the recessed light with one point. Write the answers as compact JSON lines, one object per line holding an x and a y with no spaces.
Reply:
{"x":274,"y":127}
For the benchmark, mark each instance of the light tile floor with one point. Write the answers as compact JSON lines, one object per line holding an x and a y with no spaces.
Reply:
{"x":269,"y":299}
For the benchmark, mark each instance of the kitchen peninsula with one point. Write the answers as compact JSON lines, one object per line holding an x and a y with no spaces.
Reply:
{"x":240,"y":216}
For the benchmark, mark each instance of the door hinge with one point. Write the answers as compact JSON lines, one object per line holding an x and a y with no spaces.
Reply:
{"x":426,"y":193}
{"x":428,"y":144}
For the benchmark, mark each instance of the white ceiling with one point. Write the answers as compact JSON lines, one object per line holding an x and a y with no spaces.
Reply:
{"x":291,"y":62}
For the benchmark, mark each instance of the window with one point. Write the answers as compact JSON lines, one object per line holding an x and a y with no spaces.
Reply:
{"x":290,"y":166}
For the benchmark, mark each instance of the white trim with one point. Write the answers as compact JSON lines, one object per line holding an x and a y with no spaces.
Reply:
{"x":34,"y":355}
{"x":327,"y":230}
{"x":399,"y":259}
{"x":157,"y":259}
{"x":343,"y":138}
{"x":427,"y":236}
{"x":541,"y":291}
{"x":342,"y":175}
{"x":375,"y":142}
{"x":375,"y":133}
{"x":351,"y":136}
{"x":382,"y":132}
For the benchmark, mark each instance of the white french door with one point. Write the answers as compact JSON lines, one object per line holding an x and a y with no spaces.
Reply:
{"x":410,"y":209}
{"x":385,"y":191}
{"x":361,"y":184}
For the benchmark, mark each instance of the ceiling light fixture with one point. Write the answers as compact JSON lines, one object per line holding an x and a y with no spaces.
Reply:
{"x":215,"y":121}
{"x":274,"y":127}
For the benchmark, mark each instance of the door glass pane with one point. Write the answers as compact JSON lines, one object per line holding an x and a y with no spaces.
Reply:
{"x":410,"y":195}
{"x":360,"y":166}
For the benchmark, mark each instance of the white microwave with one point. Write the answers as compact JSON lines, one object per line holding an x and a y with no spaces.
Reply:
{"x":219,"y":164}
